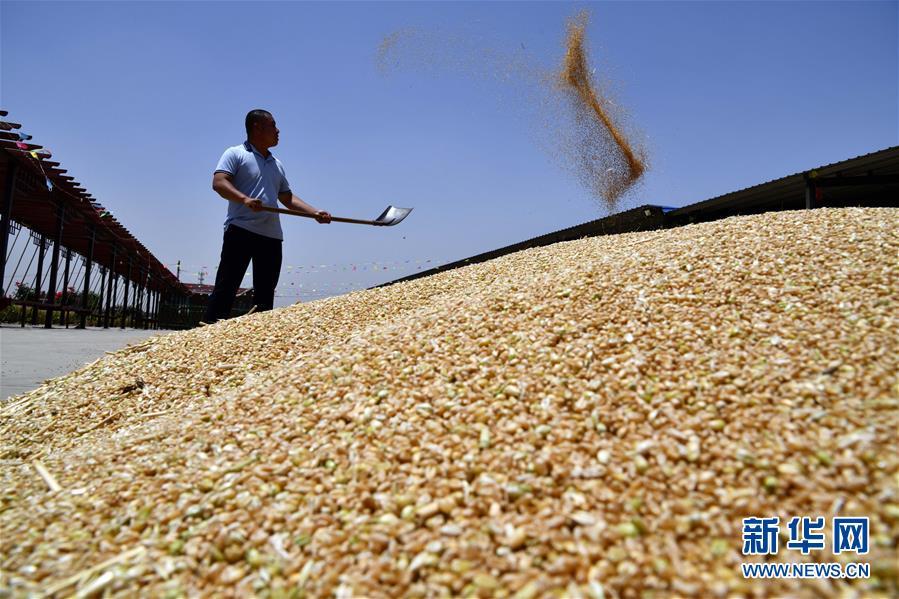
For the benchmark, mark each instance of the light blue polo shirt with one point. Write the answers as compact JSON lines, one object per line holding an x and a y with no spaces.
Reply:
{"x":258,"y":177}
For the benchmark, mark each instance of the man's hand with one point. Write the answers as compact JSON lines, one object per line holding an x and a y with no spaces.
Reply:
{"x":323,"y":217}
{"x":254,"y":204}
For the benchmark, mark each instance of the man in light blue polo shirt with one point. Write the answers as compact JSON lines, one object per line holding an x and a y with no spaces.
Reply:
{"x":250,"y":177}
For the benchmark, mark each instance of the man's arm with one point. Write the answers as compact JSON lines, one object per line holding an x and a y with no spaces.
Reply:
{"x":292,"y":202}
{"x":221,"y":183}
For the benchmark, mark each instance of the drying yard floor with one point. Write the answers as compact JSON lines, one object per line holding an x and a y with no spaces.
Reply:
{"x":31,"y":355}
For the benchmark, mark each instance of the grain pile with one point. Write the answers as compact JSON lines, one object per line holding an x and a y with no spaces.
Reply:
{"x":591,"y":418}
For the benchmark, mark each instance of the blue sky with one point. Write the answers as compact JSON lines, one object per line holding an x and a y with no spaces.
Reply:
{"x":139,"y":99}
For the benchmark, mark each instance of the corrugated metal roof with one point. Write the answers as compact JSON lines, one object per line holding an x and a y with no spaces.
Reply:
{"x":37,"y":207}
{"x":886,"y":161}
{"x":784,"y":193}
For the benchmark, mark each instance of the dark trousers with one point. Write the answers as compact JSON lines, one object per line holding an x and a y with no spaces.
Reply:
{"x":238,"y":248}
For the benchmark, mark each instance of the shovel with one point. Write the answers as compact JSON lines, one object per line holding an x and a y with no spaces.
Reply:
{"x":391,"y":216}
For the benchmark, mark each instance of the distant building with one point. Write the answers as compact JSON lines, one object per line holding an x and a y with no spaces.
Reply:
{"x":200,"y":297}
{"x":188,"y":312}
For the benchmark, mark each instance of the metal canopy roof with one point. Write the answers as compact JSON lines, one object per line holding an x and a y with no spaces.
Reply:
{"x":867,"y":180}
{"x":38,"y":208}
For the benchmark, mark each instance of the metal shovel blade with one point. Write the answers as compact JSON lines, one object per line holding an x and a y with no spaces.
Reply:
{"x":392,"y":216}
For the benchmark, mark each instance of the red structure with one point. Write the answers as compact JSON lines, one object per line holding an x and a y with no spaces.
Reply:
{"x":39,"y":195}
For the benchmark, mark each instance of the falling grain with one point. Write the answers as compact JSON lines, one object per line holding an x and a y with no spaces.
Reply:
{"x":608,"y":163}
{"x":568,"y":113}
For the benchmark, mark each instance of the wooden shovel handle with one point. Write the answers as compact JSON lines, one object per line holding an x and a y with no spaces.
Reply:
{"x":334,"y":219}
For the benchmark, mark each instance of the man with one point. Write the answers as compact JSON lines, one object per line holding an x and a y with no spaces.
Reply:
{"x":250,"y":177}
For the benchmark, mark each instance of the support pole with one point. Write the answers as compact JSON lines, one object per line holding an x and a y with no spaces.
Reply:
{"x":38,"y":282}
{"x":6,"y":212}
{"x":125,"y":299}
{"x":87,"y":279}
{"x":115,"y":294}
{"x":109,"y":292}
{"x":54,"y":265}
{"x":152,"y":310}
{"x":135,"y":316}
{"x":149,"y":308}
{"x":166,"y":301}
{"x":151,"y":284}
{"x":65,"y":288}
{"x":103,"y":272}
{"x":140,"y":296}
{"x":156,"y":309}
{"x":147,"y":293}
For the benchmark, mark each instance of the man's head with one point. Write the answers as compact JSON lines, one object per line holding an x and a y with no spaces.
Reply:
{"x":261,"y":129}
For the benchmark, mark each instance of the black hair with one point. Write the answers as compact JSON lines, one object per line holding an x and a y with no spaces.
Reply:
{"x":256,"y":116}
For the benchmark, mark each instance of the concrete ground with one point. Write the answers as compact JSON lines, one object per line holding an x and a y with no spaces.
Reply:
{"x":29,"y":356}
